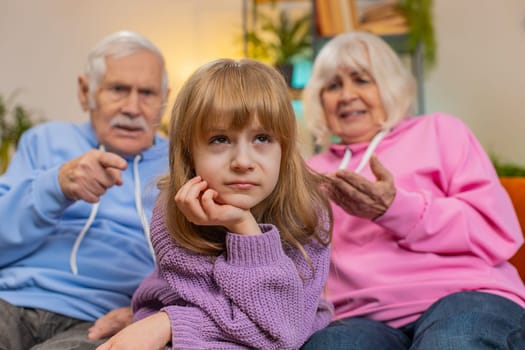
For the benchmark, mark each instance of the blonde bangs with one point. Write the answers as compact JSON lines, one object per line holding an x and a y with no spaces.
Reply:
{"x":233,"y":97}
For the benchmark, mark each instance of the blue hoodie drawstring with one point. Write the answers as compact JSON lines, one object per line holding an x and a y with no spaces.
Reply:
{"x":94,"y":210}
{"x":87,"y":225}
{"x":138,"y":204}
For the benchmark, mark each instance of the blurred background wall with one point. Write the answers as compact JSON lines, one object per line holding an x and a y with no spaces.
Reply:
{"x":479,"y":75}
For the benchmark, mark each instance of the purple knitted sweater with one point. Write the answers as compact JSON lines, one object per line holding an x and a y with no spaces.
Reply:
{"x":258,"y":294}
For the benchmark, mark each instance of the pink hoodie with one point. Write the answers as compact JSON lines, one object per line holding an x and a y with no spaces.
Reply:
{"x":450,"y":228}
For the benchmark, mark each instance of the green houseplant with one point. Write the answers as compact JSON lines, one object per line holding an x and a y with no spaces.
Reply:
{"x":507,"y":169}
{"x":512,"y":177}
{"x":421,"y":27}
{"x":279,"y":39}
{"x":13,"y":122}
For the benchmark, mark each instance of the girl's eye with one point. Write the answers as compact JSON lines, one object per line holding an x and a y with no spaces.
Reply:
{"x":218,"y":139}
{"x":263,"y":138}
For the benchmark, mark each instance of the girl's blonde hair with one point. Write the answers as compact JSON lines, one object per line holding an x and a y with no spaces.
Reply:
{"x":364,"y":52}
{"x":234,"y":92}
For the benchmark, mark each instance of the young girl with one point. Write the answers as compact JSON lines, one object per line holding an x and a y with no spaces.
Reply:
{"x":240,"y":230}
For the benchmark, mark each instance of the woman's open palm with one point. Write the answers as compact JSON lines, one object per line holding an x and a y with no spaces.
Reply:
{"x":359,"y":196}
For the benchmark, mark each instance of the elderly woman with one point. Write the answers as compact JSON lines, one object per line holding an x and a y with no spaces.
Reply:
{"x":423,"y":230}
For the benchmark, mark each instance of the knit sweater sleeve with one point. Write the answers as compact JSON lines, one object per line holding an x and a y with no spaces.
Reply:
{"x":258,"y":294}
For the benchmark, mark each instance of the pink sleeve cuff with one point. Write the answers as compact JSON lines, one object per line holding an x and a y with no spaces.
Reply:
{"x":403,"y":215}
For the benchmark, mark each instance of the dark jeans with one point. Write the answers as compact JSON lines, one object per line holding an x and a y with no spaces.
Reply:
{"x":460,"y":321}
{"x":516,"y":339}
{"x":36,"y":329}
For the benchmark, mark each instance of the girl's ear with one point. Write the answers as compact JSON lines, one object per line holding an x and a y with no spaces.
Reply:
{"x":83,"y":92}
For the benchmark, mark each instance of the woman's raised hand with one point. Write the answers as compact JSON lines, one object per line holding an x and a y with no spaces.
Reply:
{"x":359,"y":196}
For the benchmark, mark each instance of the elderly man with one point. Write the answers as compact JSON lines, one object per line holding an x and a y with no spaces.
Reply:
{"x":75,"y":205}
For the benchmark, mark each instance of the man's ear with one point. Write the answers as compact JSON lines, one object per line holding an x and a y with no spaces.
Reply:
{"x":83,"y":92}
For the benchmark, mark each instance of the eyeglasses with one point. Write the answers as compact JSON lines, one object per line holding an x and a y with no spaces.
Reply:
{"x":121,"y":92}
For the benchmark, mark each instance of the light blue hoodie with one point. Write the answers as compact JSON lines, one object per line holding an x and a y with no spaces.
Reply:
{"x":39,"y":227}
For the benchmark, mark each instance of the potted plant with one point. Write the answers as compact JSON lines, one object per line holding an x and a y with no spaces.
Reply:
{"x":507,"y":169}
{"x":13,"y":122}
{"x":421,"y":27}
{"x":512,"y":177}
{"x":280,"y":39}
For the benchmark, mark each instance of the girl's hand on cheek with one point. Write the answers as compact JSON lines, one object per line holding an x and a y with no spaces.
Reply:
{"x":187,"y":200}
{"x":233,"y":218}
{"x":198,"y":203}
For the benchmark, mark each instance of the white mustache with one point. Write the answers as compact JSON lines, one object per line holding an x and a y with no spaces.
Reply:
{"x":122,"y":120}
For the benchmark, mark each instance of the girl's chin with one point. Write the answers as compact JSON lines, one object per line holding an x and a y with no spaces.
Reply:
{"x":241,"y":203}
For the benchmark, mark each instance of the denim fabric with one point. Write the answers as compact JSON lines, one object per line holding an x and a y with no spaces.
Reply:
{"x":517,"y":338}
{"x":36,"y":329}
{"x":357,"y":333}
{"x":460,"y":321}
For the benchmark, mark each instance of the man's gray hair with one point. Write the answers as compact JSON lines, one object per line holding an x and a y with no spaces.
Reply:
{"x":118,"y":44}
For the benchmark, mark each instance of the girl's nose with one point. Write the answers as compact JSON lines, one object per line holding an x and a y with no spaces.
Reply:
{"x":242,"y":159}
